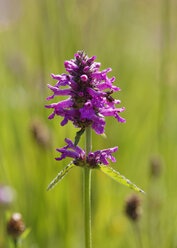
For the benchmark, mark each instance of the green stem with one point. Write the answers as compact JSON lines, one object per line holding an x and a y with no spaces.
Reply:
{"x":15,"y":243}
{"x":138,"y":234}
{"x":87,"y":190}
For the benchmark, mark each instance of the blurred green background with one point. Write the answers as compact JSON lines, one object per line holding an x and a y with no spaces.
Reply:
{"x":138,"y":39}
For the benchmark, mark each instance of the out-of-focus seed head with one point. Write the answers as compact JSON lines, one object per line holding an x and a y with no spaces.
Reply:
{"x":15,"y":226}
{"x":40,"y":133}
{"x":156,"y":164}
{"x":133,"y":208}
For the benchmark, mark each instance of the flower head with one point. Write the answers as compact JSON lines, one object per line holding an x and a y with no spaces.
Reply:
{"x":15,"y":226}
{"x":92,"y":159}
{"x":133,"y":207}
{"x":89,"y":92}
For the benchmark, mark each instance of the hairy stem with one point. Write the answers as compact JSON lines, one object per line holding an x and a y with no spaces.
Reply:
{"x":87,"y":190}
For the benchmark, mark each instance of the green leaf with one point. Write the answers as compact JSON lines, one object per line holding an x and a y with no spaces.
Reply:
{"x":25,"y":234}
{"x":78,"y":136}
{"x":119,"y":178}
{"x":60,"y":175}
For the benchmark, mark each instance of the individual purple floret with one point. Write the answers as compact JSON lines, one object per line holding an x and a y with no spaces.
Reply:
{"x":89,"y":94}
{"x":79,"y":156}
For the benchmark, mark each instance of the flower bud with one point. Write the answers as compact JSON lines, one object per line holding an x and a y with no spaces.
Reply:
{"x":86,"y":68}
{"x":90,"y":60}
{"x":84,"y":78}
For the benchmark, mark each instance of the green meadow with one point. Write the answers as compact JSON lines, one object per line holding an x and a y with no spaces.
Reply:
{"x":138,"y":40}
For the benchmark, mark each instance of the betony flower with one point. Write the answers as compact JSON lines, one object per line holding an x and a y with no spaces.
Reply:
{"x":89,"y":101}
{"x":80,"y":159}
{"x":89,"y":92}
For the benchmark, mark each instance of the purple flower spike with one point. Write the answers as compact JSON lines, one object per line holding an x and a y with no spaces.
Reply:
{"x":92,"y":160}
{"x":89,"y":94}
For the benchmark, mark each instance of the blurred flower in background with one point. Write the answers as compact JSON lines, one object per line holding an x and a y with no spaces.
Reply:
{"x":40,"y":133}
{"x":133,"y":207}
{"x":7,"y":13}
{"x":7,"y":195}
{"x":156,"y":166}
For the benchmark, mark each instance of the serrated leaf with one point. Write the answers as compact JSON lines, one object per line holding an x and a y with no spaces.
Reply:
{"x":78,"y":136}
{"x":60,"y":175}
{"x":119,"y":178}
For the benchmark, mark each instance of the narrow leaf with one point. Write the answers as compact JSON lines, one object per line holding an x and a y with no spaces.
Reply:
{"x":78,"y":136}
{"x":60,"y":175}
{"x":25,"y":233}
{"x":119,"y":178}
